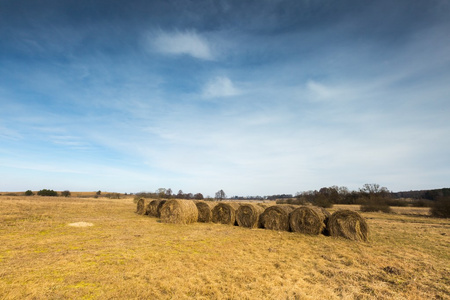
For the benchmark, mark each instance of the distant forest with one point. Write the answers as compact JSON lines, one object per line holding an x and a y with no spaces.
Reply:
{"x":423,"y":194}
{"x":334,"y":194}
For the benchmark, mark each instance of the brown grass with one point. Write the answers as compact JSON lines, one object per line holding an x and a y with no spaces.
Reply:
{"x":307,"y":220}
{"x":179,"y":212}
{"x":205,"y":210}
{"x":225,"y":213}
{"x":348,"y":224}
{"x":414,"y":211}
{"x":276,"y":217}
{"x":248,"y":215}
{"x":129,"y":256}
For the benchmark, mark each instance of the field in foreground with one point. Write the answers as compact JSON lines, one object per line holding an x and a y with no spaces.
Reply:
{"x":128,"y":256}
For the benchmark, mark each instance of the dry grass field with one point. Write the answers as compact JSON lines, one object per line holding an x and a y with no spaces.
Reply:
{"x":129,"y":256}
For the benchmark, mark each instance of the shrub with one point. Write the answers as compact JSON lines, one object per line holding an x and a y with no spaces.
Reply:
{"x":113,"y":196}
{"x":296,"y":201}
{"x":351,"y":198}
{"x":281,"y":201}
{"x":397,"y":202}
{"x":198,"y":196}
{"x":46,"y":192}
{"x":441,"y":208}
{"x":375,"y":204}
{"x":29,"y":193}
{"x":322,"y":201}
{"x":65,"y":193}
{"x":423,"y":203}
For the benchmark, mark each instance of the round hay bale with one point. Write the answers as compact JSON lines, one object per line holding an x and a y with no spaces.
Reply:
{"x":205,"y":211}
{"x":276,"y":217}
{"x":248,"y":215}
{"x":308,"y":220}
{"x":141,"y":209}
{"x":225,"y":213}
{"x":327,"y":215}
{"x":325,"y":212}
{"x":179,"y":212}
{"x":158,"y":208}
{"x":152,"y":208}
{"x":348,"y":224}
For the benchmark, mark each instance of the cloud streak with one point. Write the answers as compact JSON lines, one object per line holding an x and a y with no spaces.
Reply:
{"x":220,"y":87}
{"x":181,"y":43}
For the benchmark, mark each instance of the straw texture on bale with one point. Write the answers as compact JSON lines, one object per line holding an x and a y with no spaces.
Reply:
{"x":276,"y":217}
{"x":141,"y":209}
{"x":325,"y":212}
{"x":225,"y":213}
{"x":152,"y":208}
{"x":158,"y":208}
{"x":248,"y":215}
{"x":179,"y":212}
{"x":308,"y":220}
{"x":348,"y":224}
{"x":205,"y":211}
{"x":327,"y":215}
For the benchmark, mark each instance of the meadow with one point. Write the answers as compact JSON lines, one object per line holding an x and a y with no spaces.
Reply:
{"x":129,"y":256}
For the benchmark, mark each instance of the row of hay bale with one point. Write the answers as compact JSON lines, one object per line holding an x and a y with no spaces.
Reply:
{"x":303,"y":219}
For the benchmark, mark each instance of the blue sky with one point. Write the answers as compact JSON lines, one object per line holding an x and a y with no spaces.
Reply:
{"x":252,"y":97}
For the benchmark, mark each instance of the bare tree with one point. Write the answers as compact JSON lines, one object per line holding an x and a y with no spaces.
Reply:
{"x":161,"y":192}
{"x":376,"y":198}
{"x":373,"y":188}
{"x":220,"y":195}
{"x":169,"y":193}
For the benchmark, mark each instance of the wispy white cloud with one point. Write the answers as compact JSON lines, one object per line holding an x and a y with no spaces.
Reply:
{"x":10,"y":134}
{"x":322,"y":91}
{"x":69,"y":141}
{"x":220,"y":87}
{"x":181,"y":43}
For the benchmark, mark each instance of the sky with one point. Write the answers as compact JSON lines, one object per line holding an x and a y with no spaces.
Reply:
{"x":252,"y":97}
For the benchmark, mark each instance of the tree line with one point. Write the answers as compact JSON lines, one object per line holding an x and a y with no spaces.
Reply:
{"x":373,"y":197}
{"x":167,"y":193}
